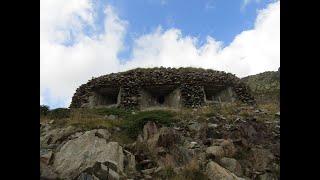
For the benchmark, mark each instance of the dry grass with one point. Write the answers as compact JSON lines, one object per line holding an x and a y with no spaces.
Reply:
{"x":190,"y":171}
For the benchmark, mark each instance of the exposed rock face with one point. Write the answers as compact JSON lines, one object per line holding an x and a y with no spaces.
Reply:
{"x":261,"y":158}
{"x":216,"y":146}
{"x":83,"y":152}
{"x":232,"y":165}
{"x":68,"y":153}
{"x":228,"y":147}
{"x":215,"y":151}
{"x":126,"y":88}
{"x":105,"y":170}
{"x":56,"y":135}
{"x":216,"y":172}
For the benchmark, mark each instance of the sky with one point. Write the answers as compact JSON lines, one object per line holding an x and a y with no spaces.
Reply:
{"x":81,"y":39}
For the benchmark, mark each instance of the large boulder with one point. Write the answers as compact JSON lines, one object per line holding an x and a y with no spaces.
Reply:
{"x":215,"y":172}
{"x":215,"y":151}
{"x":56,"y":136}
{"x":232,"y":165}
{"x":228,"y":147}
{"x":100,"y":171}
{"x":46,"y":172}
{"x":83,"y":152}
{"x":165,"y":137}
{"x":262,"y":159}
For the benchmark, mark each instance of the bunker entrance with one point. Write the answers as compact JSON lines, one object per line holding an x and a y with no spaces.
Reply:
{"x":160,"y":97}
{"x":105,"y":97}
{"x":218,"y":94}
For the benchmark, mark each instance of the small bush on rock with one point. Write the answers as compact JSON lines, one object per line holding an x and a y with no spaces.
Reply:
{"x":44,"y":110}
{"x":134,"y":123}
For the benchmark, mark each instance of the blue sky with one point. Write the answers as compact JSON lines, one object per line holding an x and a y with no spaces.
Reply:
{"x":222,"y":19}
{"x":84,"y":38}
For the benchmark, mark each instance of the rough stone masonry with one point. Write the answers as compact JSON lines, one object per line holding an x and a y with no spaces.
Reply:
{"x":162,"y":87}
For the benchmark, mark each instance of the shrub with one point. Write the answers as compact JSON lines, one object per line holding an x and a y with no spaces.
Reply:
{"x":133,"y":124}
{"x":59,"y":113}
{"x":44,"y":110}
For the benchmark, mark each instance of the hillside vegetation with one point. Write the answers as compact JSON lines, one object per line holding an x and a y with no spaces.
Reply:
{"x":233,"y":141}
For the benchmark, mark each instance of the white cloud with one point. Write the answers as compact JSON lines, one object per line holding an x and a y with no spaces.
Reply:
{"x":64,"y":68}
{"x":250,"y":52}
{"x":41,"y":100}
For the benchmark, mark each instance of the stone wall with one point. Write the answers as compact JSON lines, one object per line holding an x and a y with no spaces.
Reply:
{"x":190,"y":83}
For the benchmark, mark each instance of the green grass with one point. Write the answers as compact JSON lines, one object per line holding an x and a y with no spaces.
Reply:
{"x":134,"y":123}
{"x":122,"y":113}
{"x":59,"y":113}
{"x":131,"y":124}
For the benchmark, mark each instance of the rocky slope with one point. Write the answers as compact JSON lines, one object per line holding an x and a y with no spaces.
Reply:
{"x":219,"y":142}
{"x":216,"y":142}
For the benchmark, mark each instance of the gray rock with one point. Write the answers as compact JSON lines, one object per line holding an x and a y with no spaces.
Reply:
{"x":103,"y":133}
{"x":130,"y":166}
{"x":215,"y":172}
{"x":45,"y":156}
{"x":51,"y":122}
{"x":148,"y":171}
{"x":262,"y":158}
{"x":267,"y":176}
{"x":210,"y":125}
{"x":85,"y":176}
{"x":223,"y":118}
{"x":232,"y":165}
{"x":166,"y":137}
{"x":147,"y":177}
{"x":146,"y":161}
{"x":216,"y":151}
{"x":193,"y":144}
{"x":105,"y":170}
{"x":149,"y":130}
{"x":75,"y":135}
{"x":82,"y":152}
{"x":228,"y":147}
{"x":56,"y":135}
{"x":158,"y":169}
{"x":278,"y":114}
{"x":46,"y":172}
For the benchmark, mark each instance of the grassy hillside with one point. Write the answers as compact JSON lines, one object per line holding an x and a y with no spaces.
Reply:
{"x":265,"y":86}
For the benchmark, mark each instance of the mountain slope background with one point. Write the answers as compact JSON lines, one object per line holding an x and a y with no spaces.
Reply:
{"x":265,"y":86}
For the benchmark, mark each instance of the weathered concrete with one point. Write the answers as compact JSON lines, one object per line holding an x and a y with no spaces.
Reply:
{"x":105,"y":97}
{"x":217,"y":94}
{"x":160,"y":96}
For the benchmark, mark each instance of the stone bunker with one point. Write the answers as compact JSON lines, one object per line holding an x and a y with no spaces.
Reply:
{"x":160,"y":96}
{"x":161,"y":88}
{"x":105,"y":97}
